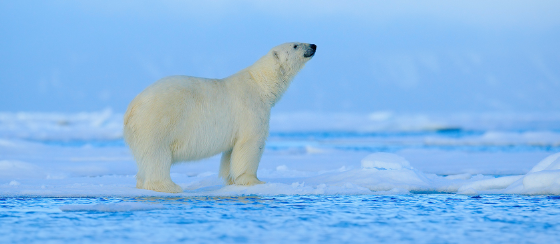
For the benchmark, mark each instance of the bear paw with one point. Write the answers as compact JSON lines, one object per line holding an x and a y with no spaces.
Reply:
{"x":165,"y":186}
{"x":229,"y":181}
{"x":248,"y":180}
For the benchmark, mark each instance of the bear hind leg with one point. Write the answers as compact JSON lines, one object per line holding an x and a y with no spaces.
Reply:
{"x":140,"y":179}
{"x":154,"y":173}
{"x":225,"y":166}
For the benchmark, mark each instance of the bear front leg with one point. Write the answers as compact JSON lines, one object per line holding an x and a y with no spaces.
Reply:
{"x":225,"y":165}
{"x":245,"y":162}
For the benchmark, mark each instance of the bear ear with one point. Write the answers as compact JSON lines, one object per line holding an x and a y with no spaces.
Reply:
{"x":276,"y":55}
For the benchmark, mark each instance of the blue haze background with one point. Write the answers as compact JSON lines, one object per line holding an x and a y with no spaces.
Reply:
{"x":402,"y":56}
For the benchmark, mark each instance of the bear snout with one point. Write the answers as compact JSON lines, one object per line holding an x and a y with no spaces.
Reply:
{"x":310,"y":51}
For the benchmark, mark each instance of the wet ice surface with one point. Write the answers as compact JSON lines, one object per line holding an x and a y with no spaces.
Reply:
{"x":419,"y":218}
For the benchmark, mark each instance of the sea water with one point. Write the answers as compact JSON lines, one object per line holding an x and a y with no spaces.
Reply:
{"x":419,"y":218}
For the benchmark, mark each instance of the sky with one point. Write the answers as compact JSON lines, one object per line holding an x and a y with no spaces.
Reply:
{"x":402,"y":56}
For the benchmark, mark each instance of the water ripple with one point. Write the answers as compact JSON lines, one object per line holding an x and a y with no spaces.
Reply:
{"x":286,"y":219}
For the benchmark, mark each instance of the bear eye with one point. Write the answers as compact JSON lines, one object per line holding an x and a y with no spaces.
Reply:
{"x":295,"y":46}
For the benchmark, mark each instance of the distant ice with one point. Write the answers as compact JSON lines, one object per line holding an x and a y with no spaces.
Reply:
{"x":550,"y":138}
{"x":387,"y":161}
{"x":537,"y":128}
{"x":101,"y":125}
{"x":383,"y":121}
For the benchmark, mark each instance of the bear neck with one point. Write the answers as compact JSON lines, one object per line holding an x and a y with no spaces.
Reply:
{"x":271,"y":77}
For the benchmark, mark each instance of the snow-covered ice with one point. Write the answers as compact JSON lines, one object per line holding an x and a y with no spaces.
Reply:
{"x":44,"y":154}
{"x":544,"y":178}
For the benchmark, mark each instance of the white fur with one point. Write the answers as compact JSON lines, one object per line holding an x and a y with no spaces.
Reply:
{"x":182,"y":118}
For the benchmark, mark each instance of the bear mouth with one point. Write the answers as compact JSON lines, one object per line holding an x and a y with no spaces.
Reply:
{"x":310,"y":52}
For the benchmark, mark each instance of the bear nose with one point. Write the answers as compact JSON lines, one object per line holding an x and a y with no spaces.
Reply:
{"x":310,"y":52}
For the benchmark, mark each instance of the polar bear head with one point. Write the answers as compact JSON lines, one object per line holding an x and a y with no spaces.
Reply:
{"x":276,"y":70}
{"x":292,"y":56}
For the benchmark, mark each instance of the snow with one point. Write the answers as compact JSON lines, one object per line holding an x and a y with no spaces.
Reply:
{"x":85,"y":156}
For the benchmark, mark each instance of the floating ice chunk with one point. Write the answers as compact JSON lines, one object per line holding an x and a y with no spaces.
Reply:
{"x":112,"y":207}
{"x":386,"y":161}
{"x":542,"y":179}
{"x":488,"y":184}
{"x":375,"y":180}
{"x":551,"y":162}
{"x":538,"y":183}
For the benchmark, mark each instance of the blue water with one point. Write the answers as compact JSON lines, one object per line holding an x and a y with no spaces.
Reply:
{"x":288,"y":219}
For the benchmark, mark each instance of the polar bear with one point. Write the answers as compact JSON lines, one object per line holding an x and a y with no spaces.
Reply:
{"x":183,"y":118}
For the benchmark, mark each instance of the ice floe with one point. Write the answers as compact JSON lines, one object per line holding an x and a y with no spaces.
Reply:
{"x":54,"y":171}
{"x":303,"y":162}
